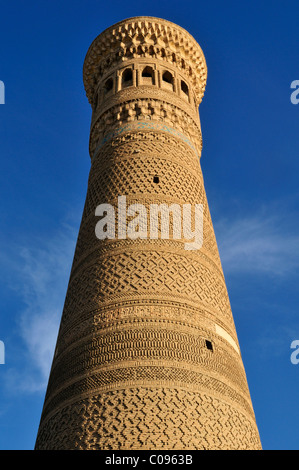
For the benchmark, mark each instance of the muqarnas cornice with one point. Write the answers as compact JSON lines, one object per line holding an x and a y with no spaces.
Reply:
{"x":145,"y":37}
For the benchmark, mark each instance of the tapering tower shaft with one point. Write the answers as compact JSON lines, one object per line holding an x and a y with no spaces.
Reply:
{"x":147,"y":355}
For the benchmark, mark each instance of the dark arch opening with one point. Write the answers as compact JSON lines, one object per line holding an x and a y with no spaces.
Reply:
{"x":108,"y":85}
{"x":147,"y":76}
{"x":127,"y":75}
{"x":147,"y":72}
{"x":167,"y":77}
{"x":184,"y":88}
{"x":127,"y":78}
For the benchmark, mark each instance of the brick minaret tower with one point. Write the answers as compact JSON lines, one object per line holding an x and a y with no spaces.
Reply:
{"x":147,"y":355}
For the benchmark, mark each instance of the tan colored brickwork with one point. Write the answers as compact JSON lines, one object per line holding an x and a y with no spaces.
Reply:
{"x":147,"y":355}
{"x":143,"y":417}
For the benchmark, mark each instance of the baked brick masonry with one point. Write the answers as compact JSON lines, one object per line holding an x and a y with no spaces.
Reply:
{"x":147,"y":354}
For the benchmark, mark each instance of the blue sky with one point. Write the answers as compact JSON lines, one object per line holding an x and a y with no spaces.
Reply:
{"x":250,"y":165}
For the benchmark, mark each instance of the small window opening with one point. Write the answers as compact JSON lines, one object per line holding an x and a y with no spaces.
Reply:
{"x":127,"y":75}
{"x":167,"y":77}
{"x":147,"y":72}
{"x":184,"y":87}
{"x":209,"y":345}
{"x":108,"y":85}
{"x":156,"y":179}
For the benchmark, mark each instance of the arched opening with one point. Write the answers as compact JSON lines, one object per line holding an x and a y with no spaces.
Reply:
{"x":147,"y":76}
{"x":127,"y":78}
{"x":167,"y":77}
{"x":185,"y":89}
{"x":167,"y":80}
{"x":108,"y":86}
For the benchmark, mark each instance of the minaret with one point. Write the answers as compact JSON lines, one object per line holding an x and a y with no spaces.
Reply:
{"x":147,"y":355}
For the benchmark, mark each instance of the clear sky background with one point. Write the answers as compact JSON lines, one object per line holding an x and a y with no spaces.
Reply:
{"x":250,"y":165}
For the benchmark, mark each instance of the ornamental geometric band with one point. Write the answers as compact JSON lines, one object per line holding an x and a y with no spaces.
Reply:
{"x":137,"y":227}
{"x":144,"y":125}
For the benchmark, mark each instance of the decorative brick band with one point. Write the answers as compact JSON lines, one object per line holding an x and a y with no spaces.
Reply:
{"x":142,"y":125}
